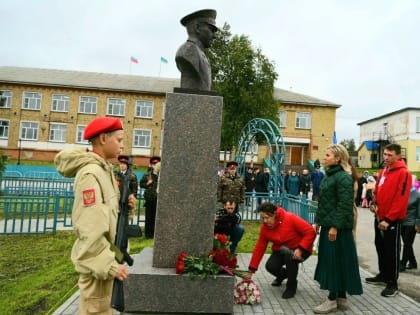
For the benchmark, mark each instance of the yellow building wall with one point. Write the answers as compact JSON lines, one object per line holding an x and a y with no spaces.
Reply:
{"x":72,"y":118}
{"x":319,"y":135}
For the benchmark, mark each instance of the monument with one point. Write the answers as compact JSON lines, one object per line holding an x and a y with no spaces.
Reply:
{"x":187,"y":196}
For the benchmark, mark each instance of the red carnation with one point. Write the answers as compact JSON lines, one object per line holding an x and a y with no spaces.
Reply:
{"x":182,"y":256}
{"x":180,"y":268}
{"x":222,"y":238}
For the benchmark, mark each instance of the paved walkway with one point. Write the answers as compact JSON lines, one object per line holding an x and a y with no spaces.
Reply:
{"x":309,"y":294}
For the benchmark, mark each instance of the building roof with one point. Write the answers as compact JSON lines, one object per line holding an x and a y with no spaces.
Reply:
{"x":371,"y":145}
{"x":87,"y":80}
{"x":389,"y":114}
{"x":123,"y":82}
{"x":295,"y":98}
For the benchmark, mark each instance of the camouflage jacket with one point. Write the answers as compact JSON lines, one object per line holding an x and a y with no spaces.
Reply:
{"x":133,"y":182}
{"x":231,"y":188}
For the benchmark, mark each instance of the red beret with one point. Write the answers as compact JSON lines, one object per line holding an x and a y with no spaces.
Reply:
{"x":123,"y":159}
{"x":101,"y":125}
{"x":154,"y":159}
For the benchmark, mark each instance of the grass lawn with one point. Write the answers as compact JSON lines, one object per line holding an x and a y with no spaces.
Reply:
{"x":37,"y":276}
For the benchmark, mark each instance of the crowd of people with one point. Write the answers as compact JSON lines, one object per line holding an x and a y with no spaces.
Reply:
{"x":392,"y":196}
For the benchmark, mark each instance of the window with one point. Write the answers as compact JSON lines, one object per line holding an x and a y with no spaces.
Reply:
{"x":417,"y":124}
{"x":29,"y":130}
{"x":79,"y":135}
{"x":88,"y":104}
{"x":116,"y":107}
{"x":5,"y":99}
{"x":303,"y":120}
{"x":4,"y":128}
{"x":282,"y":118}
{"x":142,"y":138}
{"x":144,"y":109}
{"x":58,"y":133}
{"x":31,"y":101}
{"x":417,"y":154}
{"x":60,"y":103}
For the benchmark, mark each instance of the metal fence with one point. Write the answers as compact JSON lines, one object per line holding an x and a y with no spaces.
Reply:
{"x":30,"y":205}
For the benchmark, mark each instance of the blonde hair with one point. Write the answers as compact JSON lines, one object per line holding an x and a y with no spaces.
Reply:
{"x":340,"y":152}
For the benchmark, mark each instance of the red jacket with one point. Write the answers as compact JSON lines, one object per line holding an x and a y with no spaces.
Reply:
{"x":289,"y":230}
{"x":392,"y":192}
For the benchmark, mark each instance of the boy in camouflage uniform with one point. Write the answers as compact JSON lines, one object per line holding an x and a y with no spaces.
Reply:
{"x":231,"y":186}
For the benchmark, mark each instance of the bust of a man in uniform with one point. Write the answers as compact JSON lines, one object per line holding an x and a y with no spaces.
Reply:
{"x":190,"y":58}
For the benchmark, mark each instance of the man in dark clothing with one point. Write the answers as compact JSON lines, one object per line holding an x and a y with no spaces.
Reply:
{"x":227,"y":222}
{"x":149,"y":182}
{"x":316,"y":177}
{"x":119,"y":175}
{"x":249,"y":184}
{"x":261,"y":185}
{"x":305,"y":183}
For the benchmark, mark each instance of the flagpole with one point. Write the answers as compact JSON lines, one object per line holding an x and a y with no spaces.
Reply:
{"x":160,"y":67}
{"x":129,"y":67}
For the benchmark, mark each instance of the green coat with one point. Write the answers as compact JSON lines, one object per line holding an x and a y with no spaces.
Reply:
{"x":335,"y":204}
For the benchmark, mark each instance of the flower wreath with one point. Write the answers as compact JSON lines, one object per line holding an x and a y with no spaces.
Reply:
{"x":247,"y":292}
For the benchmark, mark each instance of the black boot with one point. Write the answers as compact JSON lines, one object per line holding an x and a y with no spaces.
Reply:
{"x":291,"y":287}
{"x":277,"y":282}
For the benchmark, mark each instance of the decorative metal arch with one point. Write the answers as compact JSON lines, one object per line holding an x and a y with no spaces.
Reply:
{"x":277,"y":150}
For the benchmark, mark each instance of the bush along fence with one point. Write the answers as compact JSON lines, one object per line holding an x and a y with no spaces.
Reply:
{"x":30,"y":205}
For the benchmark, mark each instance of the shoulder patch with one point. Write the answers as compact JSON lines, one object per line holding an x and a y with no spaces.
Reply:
{"x":89,"y":197}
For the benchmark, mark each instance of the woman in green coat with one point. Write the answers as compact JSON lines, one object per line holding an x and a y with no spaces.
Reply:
{"x":338,"y":268}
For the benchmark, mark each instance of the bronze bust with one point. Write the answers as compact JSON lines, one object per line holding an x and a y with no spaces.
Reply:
{"x":190,"y":58}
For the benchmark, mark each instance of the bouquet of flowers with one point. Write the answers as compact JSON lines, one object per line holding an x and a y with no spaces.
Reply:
{"x":247,"y":292}
{"x":218,"y":260}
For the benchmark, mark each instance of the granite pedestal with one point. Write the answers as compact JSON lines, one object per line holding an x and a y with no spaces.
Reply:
{"x":187,"y":200}
{"x":150,"y":290}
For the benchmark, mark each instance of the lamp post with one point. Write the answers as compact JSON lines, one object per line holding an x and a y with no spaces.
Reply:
{"x":20,"y":148}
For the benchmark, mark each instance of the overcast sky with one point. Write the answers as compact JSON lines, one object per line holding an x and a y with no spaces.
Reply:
{"x":361,"y":54}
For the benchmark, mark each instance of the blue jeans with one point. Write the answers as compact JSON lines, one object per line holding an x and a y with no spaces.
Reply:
{"x":236,"y":236}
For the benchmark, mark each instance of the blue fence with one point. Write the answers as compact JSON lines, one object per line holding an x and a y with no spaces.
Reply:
{"x":30,"y":205}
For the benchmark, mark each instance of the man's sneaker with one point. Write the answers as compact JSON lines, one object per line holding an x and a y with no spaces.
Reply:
{"x":390,"y":290}
{"x":376,"y":280}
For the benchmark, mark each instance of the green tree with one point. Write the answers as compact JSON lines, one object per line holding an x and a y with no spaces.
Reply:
{"x":349,"y":144}
{"x":245,"y":78}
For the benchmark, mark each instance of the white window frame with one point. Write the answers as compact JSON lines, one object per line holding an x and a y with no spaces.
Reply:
{"x":142,"y":138}
{"x":144,"y":109}
{"x":8,"y":95}
{"x":60,"y":103}
{"x":31,"y":128}
{"x":58,"y":132}
{"x":417,"y":124}
{"x":31,"y":100}
{"x":282,"y":119}
{"x":4,"y":128}
{"x":418,"y":154}
{"x":80,"y":130}
{"x":88,"y":104}
{"x":303,"y":120}
{"x":116,"y":106}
